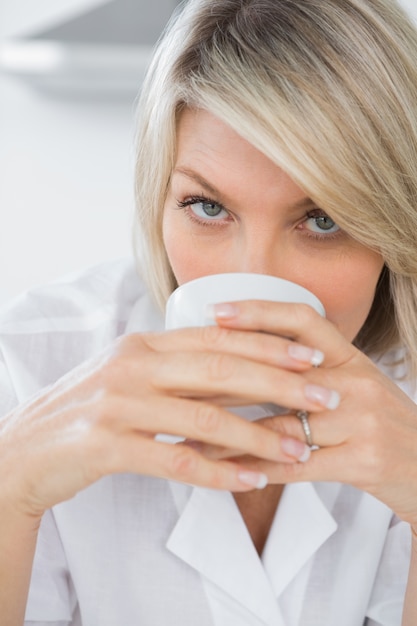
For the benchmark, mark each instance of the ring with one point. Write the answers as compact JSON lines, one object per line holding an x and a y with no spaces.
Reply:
{"x":303,"y":417}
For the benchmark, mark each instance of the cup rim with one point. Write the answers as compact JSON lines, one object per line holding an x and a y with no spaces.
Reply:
{"x":226,"y":277}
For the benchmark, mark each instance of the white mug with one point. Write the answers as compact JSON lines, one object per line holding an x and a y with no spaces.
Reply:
{"x":189,"y":306}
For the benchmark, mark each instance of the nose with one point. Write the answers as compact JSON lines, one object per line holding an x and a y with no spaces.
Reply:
{"x":259,"y":265}
{"x":262,"y":252}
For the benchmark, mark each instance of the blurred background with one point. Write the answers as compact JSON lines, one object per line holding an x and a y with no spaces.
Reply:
{"x":70,"y":73}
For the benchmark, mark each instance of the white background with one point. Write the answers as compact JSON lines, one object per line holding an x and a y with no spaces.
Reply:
{"x":66,"y":185}
{"x":66,"y":160}
{"x":66,"y":182}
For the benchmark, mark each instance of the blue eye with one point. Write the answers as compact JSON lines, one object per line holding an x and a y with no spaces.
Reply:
{"x":207,"y":209}
{"x":204,"y":209}
{"x":321,"y":223}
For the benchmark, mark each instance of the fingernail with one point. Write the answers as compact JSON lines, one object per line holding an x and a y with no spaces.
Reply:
{"x":307,"y":454}
{"x":192,"y":443}
{"x":254,"y":479}
{"x":328,"y":398}
{"x":223,"y":310}
{"x":305,"y":354}
{"x":295,"y":448}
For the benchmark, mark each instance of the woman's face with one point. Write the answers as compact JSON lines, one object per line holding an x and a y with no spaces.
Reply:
{"x":230,"y":209}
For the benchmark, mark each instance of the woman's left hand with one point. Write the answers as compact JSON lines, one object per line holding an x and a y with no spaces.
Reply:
{"x":369,"y":441}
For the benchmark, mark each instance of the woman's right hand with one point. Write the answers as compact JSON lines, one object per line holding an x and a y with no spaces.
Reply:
{"x":102,"y":417}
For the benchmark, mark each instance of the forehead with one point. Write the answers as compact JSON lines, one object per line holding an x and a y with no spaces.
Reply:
{"x":204,"y":134}
{"x":210,"y":149}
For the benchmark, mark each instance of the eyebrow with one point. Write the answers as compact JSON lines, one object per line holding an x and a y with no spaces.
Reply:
{"x":197,"y":178}
{"x":304,"y":203}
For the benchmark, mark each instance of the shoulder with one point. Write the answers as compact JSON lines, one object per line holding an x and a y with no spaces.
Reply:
{"x":109,"y":287}
{"x":49,"y":330}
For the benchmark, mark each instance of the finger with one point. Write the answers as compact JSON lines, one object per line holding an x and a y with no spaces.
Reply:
{"x":327,"y":428}
{"x":181,"y":463}
{"x":194,"y":420}
{"x":270,"y":349}
{"x":337,"y":463}
{"x":129,"y":367}
{"x":235,"y":380}
{"x":299,"y":322}
{"x":291,"y":447}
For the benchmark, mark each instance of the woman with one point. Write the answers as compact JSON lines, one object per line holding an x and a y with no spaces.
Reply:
{"x":275,"y":137}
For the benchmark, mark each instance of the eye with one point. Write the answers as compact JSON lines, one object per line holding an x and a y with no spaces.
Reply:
{"x":208,"y":209}
{"x":205,"y":209}
{"x":319,"y":222}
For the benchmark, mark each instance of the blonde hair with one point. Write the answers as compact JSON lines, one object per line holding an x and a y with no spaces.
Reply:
{"x":328,"y":91}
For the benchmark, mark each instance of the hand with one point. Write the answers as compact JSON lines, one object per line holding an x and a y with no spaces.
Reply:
{"x":369,"y":441}
{"x":102,"y":417}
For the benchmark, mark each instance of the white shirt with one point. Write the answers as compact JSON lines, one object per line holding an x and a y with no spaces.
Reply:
{"x":139,"y":551}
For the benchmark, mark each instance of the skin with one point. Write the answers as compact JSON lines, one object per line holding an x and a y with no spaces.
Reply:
{"x":265,"y":228}
{"x":101,"y":418}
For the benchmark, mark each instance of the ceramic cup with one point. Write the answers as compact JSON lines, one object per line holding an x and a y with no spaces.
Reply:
{"x":189,"y":305}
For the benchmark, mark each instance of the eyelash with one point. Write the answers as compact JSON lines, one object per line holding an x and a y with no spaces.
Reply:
{"x":218,"y":223}
{"x":193,"y":218}
{"x":316,"y":213}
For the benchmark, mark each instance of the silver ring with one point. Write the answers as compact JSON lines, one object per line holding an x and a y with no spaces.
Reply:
{"x":303,"y":417}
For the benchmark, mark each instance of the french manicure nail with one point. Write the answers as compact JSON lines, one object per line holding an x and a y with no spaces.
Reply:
{"x":254,"y":479}
{"x":295,"y":448}
{"x":305,"y":354}
{"x":328,"y":398}
{"x":307,"y":454}
{"x":223,"y":310}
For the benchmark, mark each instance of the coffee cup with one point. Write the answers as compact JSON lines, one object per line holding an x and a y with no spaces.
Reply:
{"x":189,"y":306}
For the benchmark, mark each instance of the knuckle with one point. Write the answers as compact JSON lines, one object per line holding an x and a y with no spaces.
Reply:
{"x":103,"y":410}
{"x":119,"y":370}
{"x":304,"y":314}
{"x":112,"y":374}
{"x":369,"y":387}
{"x":373,"y":428}
{"x":149,"y":341}
{"x":219,"y":367}
{"x":371,"y":462}
{"x":292,"y":472}
{"x":373,"y":466}
{"x":218,"y":477}
{"x":113,"y":456}
{"x":374,"y":391}
{"x":128,"y":344}
{"x":95,"y":448}
{"x":207,"y":419}
{"x":94,"y":444}
{"x":182,"y":464}
{"x":213,"y":336}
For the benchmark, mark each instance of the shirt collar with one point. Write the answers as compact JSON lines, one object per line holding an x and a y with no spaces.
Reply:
{"x":211,"y":537}
{"x":301,"y":525}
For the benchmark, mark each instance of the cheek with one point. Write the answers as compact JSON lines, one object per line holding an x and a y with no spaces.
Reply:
{"x":175,"y":248}
{"x":184,"y":251}
{"x":349,"y":299}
